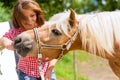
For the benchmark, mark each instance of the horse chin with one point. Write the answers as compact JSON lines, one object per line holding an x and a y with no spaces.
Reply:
{"x":23,"y":52}
{"x":23,"y":49}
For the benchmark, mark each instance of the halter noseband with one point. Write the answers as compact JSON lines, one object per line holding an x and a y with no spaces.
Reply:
{"x":40,"y":45}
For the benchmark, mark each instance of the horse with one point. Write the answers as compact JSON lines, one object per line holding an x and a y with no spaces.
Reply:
{"x":7,"y":57}
{"x":97,"y":33}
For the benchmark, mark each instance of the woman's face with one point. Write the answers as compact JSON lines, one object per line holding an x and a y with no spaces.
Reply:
{"x":29,"y":20}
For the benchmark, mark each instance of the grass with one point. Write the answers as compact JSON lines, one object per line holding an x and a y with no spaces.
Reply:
{"x":65,"y":67}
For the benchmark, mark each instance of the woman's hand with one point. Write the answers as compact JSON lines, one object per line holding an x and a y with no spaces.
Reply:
{"x":50,"y":69}
{"x":7,"y":43}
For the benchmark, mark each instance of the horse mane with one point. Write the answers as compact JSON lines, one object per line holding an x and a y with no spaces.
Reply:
{"x":100,"y":32}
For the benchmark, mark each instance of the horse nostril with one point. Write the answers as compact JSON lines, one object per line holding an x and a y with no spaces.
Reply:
{"x":18,"y":40}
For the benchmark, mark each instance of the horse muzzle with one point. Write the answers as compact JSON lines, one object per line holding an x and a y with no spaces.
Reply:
{"x":23,"y":45}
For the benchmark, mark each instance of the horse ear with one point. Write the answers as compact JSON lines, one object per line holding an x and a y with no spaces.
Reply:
{"x":72,"y":18}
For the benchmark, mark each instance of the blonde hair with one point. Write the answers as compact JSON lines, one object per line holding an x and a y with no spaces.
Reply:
{"x":21,"y":5}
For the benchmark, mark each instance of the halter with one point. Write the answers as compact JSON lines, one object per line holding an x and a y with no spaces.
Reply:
{"x":40,"y":45}
{"x":66,"y":46}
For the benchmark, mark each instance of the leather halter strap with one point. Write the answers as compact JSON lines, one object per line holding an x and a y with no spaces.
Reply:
{"x":38,"y":42}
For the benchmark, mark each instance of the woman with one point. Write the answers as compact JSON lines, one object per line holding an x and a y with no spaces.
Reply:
{"x":27,"y":15}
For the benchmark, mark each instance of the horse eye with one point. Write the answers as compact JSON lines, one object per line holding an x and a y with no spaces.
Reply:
{"x":56,"y":32}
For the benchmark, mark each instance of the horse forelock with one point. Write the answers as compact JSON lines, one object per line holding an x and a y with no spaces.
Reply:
{"x":64,"y":26}
{"x":100,"y":31}
{"x":61,"y":21}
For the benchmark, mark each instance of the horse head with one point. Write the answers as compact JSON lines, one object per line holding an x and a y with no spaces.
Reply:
{"x":54,"y":33}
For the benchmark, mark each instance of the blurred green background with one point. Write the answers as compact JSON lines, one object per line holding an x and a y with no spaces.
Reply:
{"x":64,"y":68}
{"x":51,"y":7}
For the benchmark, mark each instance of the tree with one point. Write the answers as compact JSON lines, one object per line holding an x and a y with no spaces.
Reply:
{"x":52,"y":7}
{"x":4,"y":13}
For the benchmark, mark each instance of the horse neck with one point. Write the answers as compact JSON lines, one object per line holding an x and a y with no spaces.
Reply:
{"x":77,"y":45}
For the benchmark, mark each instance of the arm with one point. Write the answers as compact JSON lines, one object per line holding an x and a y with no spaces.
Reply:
{"x":6,"y":40}
{"x":50,"y":68}
{"x":7,"y":43}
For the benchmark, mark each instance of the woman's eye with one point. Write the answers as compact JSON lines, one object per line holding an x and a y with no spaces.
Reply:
{"x":56,"y":32}
{"x":33,"y":15}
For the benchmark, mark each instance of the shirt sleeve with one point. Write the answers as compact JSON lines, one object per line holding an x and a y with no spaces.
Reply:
{"x":12,"y":33}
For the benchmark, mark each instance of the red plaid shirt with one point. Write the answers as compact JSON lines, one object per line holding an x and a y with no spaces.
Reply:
{"x":28,"y":65}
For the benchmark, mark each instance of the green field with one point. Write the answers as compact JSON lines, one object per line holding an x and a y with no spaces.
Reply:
{"x":65,"y":67}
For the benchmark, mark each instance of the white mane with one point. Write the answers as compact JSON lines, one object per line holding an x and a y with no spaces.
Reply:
{"x":61,"y":21}
{"x":100,"y":31}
